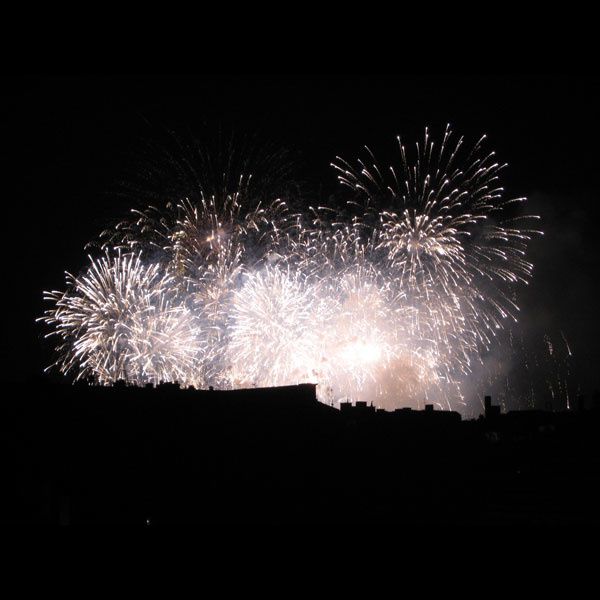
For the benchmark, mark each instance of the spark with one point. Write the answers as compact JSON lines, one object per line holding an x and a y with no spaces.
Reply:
{"x":120,"y":321}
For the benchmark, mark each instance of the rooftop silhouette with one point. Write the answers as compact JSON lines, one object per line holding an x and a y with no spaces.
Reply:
{"x":84,"y":454}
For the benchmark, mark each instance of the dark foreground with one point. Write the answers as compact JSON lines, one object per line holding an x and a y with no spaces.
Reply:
{"x":76,"y":454}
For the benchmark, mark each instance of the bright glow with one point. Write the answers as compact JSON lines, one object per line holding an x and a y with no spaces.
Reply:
{"x":391,"y":297}
{"x":359,"y":353}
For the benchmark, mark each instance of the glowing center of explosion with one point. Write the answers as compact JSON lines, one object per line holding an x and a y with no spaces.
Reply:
{"x":360,"y":353}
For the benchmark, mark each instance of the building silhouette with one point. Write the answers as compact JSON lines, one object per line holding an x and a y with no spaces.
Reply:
{"x":85,"y":454}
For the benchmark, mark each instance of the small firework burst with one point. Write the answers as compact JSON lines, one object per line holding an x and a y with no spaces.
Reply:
{"x":121,"y":321}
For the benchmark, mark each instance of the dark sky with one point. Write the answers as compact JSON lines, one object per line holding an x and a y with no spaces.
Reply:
{"x":69,"y":143}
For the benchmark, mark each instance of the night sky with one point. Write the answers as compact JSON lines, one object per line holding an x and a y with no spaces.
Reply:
{"x":71,"y":145}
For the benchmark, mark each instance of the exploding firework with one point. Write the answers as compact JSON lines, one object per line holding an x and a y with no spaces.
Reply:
{"x":274,"y":322}
{"x":121,"y":321}
{"x":391,"y":297}
{"x":443,"y":229}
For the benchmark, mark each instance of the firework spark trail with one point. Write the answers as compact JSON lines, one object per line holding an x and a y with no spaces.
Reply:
{"x":392,"y":297}
{"x":120,"y":320}
{"x":445,"y":236}
{"x":526,"y":371}
{"x":274,"y":320}
{"x":436,"y":228}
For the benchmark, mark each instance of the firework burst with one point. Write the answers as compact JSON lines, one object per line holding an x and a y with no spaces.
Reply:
{"x":121,"y":321}
{"x":391,"y":297}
